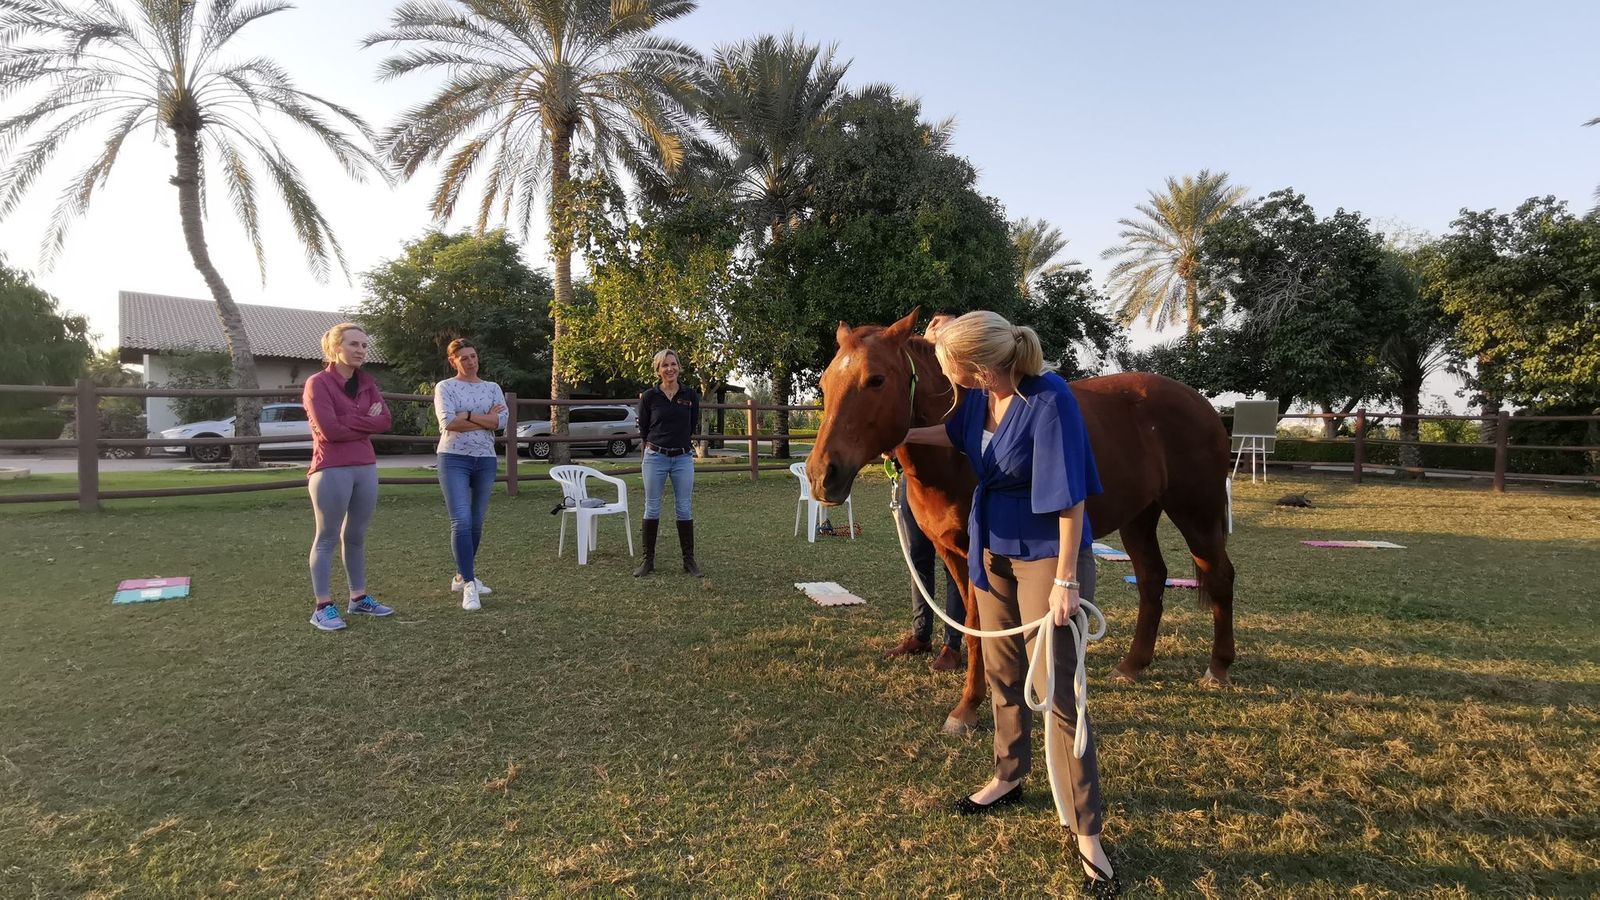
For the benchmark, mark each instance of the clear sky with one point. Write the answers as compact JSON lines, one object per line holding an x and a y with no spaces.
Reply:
{"x":1406,"y":111}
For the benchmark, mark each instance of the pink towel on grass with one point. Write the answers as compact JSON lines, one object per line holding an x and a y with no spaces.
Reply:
{"x":1171,"y":582}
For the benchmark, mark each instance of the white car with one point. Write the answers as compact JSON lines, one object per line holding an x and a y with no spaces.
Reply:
{"x":277,"y":419}
{"x":607,"y":429}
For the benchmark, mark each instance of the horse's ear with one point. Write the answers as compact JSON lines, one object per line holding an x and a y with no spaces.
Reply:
{"x":844,"y":335}
{"x":901,"y":330}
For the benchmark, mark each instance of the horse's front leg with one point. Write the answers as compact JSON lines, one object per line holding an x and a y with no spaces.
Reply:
{"x":964,"y":718}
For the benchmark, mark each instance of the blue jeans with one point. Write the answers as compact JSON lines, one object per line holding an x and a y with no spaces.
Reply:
{"x":922,"y":557}
{"x":658,"y":467}
{"x":467,"y":481}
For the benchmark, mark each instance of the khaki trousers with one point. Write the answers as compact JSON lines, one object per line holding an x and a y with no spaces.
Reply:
{"x":1020,"y":592}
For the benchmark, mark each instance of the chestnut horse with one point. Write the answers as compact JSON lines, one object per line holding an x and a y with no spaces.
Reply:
{"x":1159,"y":446}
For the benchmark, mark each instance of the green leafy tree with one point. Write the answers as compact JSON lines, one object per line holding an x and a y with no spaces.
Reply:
{"x":161,"y":66}
{"x":526,"y":84}
{"x":119,"y":416}
{"x":1219,"y":360}
{"x":764,"y":100}
{"x":1312,"y":293}
{"x":1037,"y":243}
{"x":444,"y":286}
{"x":663,"y":281}
{"x":203,"y":369}
{"x":39,"y":344}
{"x":896,"y":222}
{"x":1524,"y":291}
{"x":1157,"y":275}
{"x":1077,"y":331}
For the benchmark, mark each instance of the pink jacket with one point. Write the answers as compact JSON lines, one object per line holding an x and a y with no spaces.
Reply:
{"x":340,"y":426}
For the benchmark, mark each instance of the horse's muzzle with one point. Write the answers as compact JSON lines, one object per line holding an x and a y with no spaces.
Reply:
{"x":836,"y":483}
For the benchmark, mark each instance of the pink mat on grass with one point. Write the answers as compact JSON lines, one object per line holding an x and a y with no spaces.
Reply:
{"x":1171,"y":582}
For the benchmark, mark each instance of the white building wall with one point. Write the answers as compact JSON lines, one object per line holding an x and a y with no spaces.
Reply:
{"x":270,"y":373}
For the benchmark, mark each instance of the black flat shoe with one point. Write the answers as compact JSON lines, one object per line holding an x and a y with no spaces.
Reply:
{"x":1100,"y":886}
{"x":967,"y":806}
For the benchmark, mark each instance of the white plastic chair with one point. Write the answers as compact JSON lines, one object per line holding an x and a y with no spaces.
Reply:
{"x":574,"y":481}
{"x":814,"y":506}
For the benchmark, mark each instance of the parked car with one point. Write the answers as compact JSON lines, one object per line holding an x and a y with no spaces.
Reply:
{"x":606,"y":427}
{"x":277,"y":419}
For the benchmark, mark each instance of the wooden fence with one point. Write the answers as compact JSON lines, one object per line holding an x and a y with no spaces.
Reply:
{"x":1499,"y":425}
{"x":88,"y":444}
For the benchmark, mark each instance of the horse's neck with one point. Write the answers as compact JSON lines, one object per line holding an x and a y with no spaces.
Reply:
{"x":938,"y":468}
{"x":935,"y":396}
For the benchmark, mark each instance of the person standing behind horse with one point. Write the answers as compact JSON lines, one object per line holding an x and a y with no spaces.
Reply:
{"x":669,"y":416}
{"x":1020,"y":429}
{"x":920,"y":638}
{"x":470,"y":411}
{"x":345,"y":408}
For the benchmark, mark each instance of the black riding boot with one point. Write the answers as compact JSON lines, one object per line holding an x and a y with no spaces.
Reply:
{"x":686,"y":538}
{"x":652,"y":527}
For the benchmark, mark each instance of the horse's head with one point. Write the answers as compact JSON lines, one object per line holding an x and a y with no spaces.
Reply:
{"x":866,"y":405}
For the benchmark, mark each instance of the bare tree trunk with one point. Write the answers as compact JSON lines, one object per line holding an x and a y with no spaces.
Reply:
{"x":1592,"y":438}
{"x":1410,"y":429}
{"x":1490,"y":432}
{"x":782,"y":387}
{"x":247,"y":410}
{"x":1192,"y":286}
{"x":782,"y":383}
{"x":1330,"y":427}
{"x":561,"y":250}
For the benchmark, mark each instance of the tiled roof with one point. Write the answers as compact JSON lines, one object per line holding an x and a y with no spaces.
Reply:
{"x":154,"y":322}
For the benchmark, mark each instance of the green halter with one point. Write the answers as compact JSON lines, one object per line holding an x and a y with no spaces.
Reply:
{"x":891,"y":465}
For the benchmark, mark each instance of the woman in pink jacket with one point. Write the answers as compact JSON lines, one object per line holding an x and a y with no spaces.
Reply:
{"x":345,"y":409}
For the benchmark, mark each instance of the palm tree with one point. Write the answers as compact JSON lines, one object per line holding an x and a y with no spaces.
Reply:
{"x":765,"y":99}
{"x":159,"y":65}
{"x":1158,"y":277}
{"x":1413,"y":352}
{"x":1037,"y":243}
{"x":527,"y":83}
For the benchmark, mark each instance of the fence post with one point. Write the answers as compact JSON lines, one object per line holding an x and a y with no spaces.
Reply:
{"x":512,"y":450}
{"x":1502,"y":432}
{"x":1361,"y":442}
{"x":88,"y":429}
{"x":750,"y":422}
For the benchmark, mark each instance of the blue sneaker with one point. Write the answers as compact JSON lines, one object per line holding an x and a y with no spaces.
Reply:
{"x":367,"y":606}
{"x":327,"y":618}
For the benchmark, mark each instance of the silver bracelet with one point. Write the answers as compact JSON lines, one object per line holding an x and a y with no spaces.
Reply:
{"x":1068,"y":584}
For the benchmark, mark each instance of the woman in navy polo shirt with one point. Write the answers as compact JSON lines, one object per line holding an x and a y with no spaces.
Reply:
{"x":1020,"y":428}
{"x":669,"y":415}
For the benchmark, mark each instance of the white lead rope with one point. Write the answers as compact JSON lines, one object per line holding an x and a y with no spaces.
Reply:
{"x":1042,"y":652}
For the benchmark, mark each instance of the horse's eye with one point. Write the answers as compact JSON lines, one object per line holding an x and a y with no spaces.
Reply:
{"x":875,"y":381}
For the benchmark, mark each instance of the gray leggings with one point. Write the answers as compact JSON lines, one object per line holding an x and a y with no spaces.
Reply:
{"x":343,"y":499}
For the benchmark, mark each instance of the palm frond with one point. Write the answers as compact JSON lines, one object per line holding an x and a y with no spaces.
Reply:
{"x":157,"y":64}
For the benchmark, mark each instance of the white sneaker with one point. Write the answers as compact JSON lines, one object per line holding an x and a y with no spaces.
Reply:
{"x":469,"y":597}
{"x":483,"y":589}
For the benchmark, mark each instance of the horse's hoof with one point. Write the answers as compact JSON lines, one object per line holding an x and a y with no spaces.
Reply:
{"x":1211,"y":680}
{"x":1122,"y":676}
{"x":954,"y":727}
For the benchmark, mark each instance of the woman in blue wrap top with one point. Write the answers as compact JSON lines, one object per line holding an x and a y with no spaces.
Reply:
{"x":1028,"y":556}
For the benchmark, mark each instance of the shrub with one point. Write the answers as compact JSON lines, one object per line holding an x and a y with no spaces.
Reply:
{"x":41,"y":425}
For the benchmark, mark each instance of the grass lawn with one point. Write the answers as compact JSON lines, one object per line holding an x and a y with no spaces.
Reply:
{"x":1419,"y":722}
